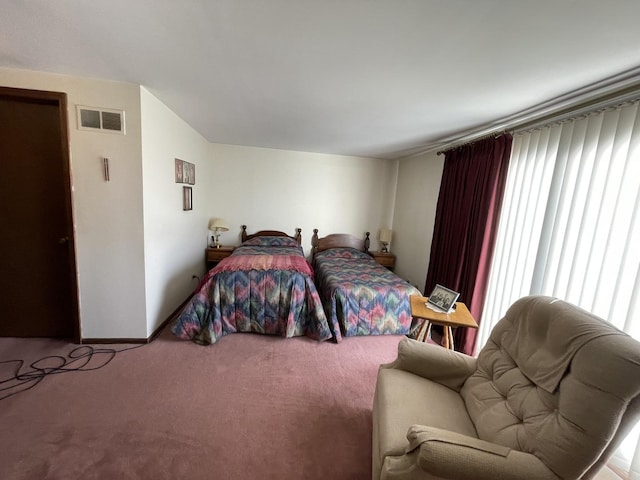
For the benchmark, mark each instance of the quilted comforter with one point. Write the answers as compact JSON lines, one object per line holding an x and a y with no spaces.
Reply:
{"x":360,"y":296}
{"x":263,"y":287}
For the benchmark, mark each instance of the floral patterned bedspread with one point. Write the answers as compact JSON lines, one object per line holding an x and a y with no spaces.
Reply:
{"x":263,"y":288}
{"x":360,"y":296}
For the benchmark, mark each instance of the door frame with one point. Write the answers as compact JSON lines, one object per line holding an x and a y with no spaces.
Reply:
{"x":60,"y":100}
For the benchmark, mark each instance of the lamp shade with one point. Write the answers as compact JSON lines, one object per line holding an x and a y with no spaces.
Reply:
{"x":218,"y":224}
{"x":385,"y":235}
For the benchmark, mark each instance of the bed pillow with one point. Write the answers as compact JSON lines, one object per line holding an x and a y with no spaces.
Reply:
{"x":271,"y":242}
{"x":343,"y":252}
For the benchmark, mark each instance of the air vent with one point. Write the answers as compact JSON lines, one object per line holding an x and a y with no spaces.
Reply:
{"x":101,"y":119}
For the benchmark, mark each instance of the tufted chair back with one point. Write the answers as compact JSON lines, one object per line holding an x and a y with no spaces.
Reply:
{"x":557,"y":382}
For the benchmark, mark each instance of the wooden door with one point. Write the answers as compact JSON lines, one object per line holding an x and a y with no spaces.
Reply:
{"x":38,"y":288}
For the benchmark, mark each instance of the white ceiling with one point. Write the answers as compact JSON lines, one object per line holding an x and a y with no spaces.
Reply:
{"x":356,"y":77}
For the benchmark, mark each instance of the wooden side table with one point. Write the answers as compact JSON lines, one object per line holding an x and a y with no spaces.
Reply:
{"x":460,"y":317}
{"x":385,"y":259}
{"x":214,"y":255}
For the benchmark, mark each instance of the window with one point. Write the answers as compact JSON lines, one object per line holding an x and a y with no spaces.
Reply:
{"x":570,"y":225}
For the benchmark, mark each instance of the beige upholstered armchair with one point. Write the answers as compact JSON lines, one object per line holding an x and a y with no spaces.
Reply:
{"x":550,"y":396}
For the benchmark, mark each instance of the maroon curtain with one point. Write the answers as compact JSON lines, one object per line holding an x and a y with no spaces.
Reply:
{"x":466,"y":224}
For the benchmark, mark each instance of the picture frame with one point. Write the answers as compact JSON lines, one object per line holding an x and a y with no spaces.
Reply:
{"x":179,"y":168}
{"x":191,"y":169}
{"x":187,"y":198}
{"x":442,"y":298}
{"x":185,"y":172}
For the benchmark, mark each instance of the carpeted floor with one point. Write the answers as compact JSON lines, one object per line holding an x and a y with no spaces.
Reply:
{"x":248,"y":407}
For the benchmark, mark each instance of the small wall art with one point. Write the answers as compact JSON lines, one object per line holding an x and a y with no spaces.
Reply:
{"x":187,"y":198}
{"x":190,"y":169}
{"x":179,"y":167}
{"x":185,"y":172}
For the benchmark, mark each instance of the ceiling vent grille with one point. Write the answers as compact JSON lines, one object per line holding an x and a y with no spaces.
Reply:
{"x":101,"y":119}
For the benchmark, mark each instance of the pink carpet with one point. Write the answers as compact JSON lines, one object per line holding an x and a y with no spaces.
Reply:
{"x":248,"y":407}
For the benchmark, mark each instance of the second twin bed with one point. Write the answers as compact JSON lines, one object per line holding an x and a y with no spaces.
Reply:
{"x":360,"y":296}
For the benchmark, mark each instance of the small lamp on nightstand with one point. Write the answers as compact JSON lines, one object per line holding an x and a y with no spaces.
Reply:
{"x":385,"y":239}
{"x":217,"y":225}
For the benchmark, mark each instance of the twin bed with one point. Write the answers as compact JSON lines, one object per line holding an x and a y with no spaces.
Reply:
{"x":267,"y":286}
{"x":360,"y":296}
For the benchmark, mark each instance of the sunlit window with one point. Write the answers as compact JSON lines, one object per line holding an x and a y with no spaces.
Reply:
{"x":570,"y":226}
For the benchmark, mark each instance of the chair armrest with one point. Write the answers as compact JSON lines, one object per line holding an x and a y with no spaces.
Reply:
{"x":436,"y":363}
{"x":447,"y":454}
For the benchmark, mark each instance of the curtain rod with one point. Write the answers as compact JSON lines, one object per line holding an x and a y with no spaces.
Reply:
{"x":478,"y":139}
{"x":578,"y":113}
{"x":615,"y":89}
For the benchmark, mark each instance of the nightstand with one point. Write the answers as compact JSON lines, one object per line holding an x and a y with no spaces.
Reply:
{"x":385,"y":259}
{"x":214,"y":255}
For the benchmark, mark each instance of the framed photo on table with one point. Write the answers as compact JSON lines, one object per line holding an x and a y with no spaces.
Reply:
{"x":442,"y":298}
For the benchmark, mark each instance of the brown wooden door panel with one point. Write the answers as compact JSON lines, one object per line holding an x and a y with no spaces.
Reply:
{"x":37,"y":285}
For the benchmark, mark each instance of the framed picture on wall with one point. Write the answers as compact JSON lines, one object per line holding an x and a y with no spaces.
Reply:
{"x":186,"y":172}
{"x":191,"y":179}
{"x":187,"y":198}
{"x":179,"y":170}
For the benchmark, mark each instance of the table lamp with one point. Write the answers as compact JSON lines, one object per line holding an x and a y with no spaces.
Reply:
{"x":385,"y":239}
{"x":217,"y":225}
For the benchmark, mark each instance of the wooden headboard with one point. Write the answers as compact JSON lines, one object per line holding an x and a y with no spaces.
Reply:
{"x":336,"y":240}
{"x":271,"y":233}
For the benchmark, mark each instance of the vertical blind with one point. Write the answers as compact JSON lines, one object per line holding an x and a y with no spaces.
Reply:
{"x":570,"y":226}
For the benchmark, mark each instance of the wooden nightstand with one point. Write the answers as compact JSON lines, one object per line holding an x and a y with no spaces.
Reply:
{"x":385,"y":259}
{"x":214,"y":255}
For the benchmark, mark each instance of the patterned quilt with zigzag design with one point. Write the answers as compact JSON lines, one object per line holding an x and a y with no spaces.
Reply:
{"x":239,"y":298}
{"x":360,"y":296}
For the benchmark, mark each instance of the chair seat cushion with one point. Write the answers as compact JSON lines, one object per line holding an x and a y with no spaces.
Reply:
{"x":404,"y":399}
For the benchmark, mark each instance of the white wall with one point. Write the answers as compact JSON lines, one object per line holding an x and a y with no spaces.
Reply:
{"x":415,"y":210}
{"x":284,"y":190}
{"x":107,"y":215}
{"x":137,"y":250}
{"x":262,"y":188}
{"x":174,"y":239}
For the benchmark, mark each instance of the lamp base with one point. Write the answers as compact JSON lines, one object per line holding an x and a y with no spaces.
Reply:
{"x":385,"y":247}
{"x":216,"y":240}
